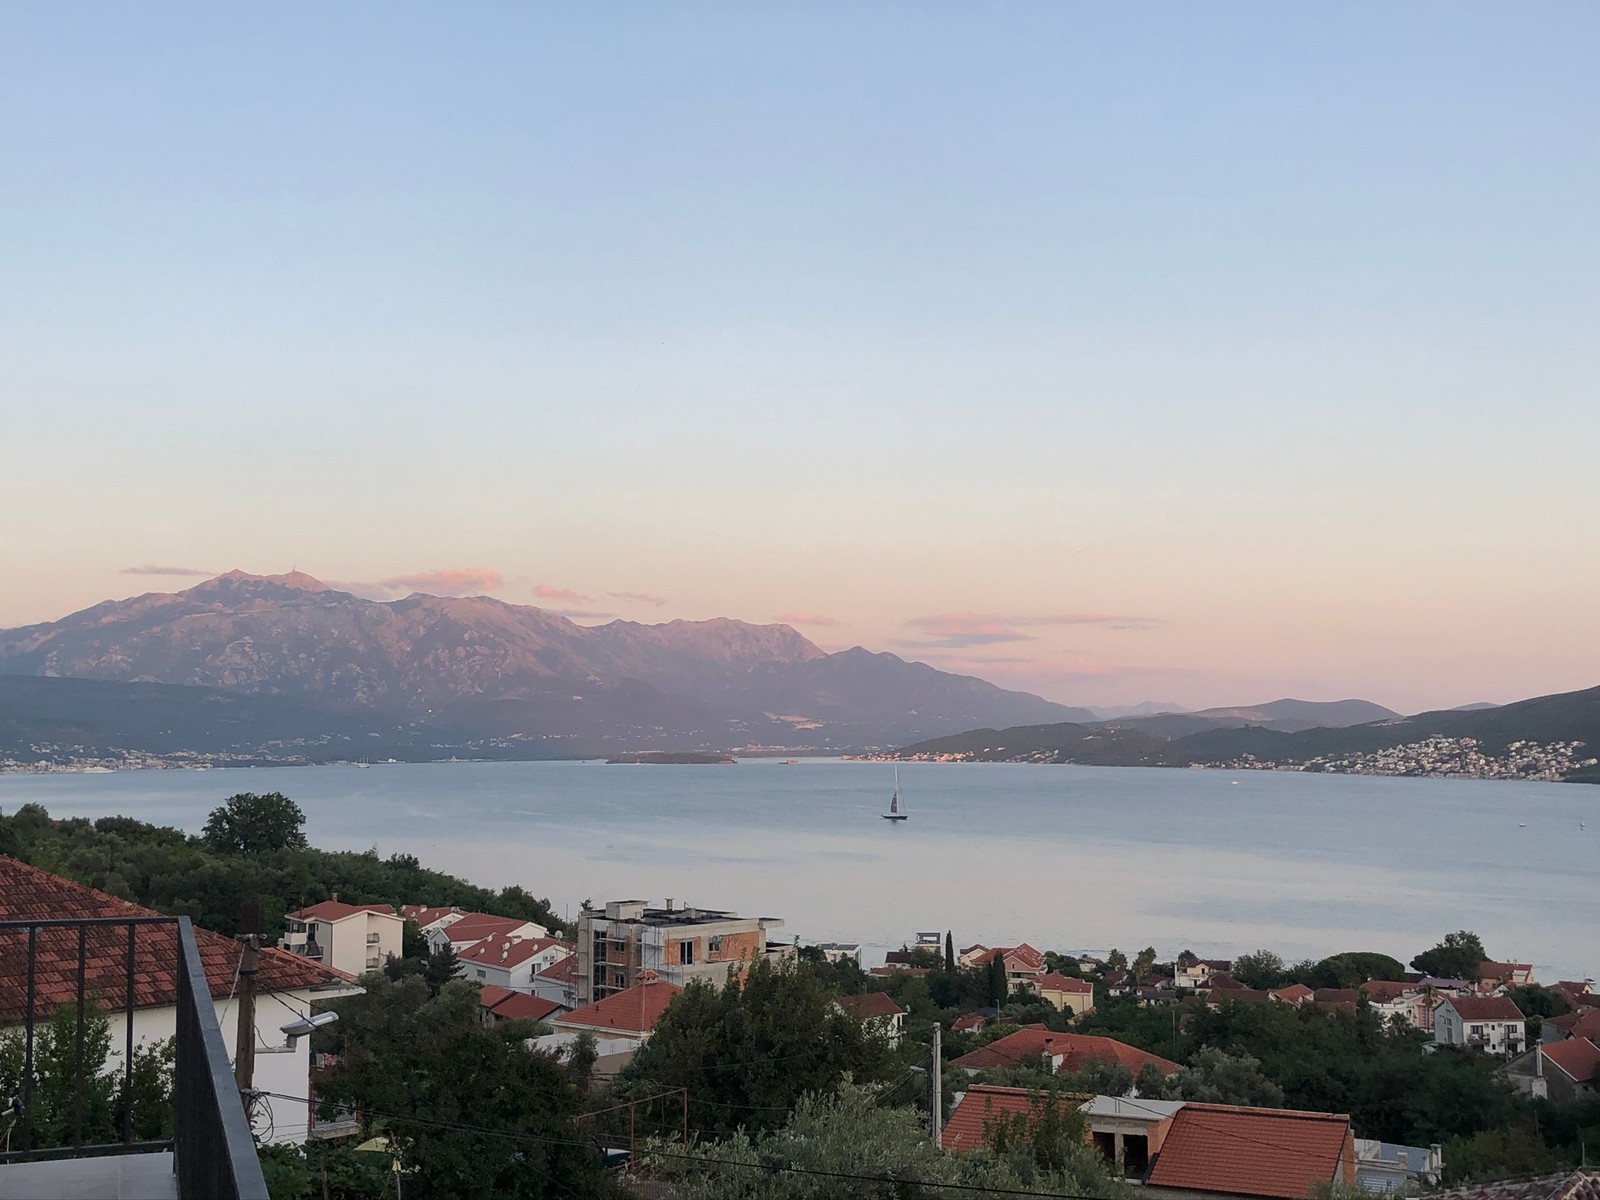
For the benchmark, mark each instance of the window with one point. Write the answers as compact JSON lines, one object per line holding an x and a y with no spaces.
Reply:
{"x":619,"y":980}
{"x":1477,"y":1031}
{"x":686,"y":953}
{"x":482,"y":974}
{"x":715,"y":944}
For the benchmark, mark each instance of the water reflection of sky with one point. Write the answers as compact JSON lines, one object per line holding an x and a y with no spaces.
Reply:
{"x":1061,"y":857}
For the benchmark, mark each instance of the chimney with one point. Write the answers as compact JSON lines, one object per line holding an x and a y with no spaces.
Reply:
{"x":1538,"y":1062}
{"x":334,"y":896}
{"x":669,"y":903}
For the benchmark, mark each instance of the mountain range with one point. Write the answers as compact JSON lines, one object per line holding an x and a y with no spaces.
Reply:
{"x":434,"y":675}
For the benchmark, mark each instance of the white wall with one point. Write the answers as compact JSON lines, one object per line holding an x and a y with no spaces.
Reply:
{"x":286,"y":1071}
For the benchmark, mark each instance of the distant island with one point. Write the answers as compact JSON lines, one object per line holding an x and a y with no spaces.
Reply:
{"x":673,"y":758}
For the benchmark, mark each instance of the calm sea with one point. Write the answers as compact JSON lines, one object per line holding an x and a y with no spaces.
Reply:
{"x":1062,"y":857}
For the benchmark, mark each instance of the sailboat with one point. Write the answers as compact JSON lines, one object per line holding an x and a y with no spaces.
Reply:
{"x":894,"y":813}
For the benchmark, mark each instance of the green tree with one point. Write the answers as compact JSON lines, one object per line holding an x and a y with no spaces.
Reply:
{"x":1063,"y":964}
{"x":1263,"y":970}
{"x":1143,"y":962}
{"x":887,"y":1152}
{"x":1355,"y":967}
{"x":104,"y":1097}
{"x":443,"y":966}
{"x":1116,"y":960}
{"x":1458,"y":956}
{"x":950,"y":963}
{"x":425,"y":1069}
{"x":748,"y":1051}
{"x":252,"y":824}
{"x":998,"y":986}
{"x":1214,"y":1076}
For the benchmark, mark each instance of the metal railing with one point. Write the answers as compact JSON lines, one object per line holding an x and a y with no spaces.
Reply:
{"x":214,"y":1153}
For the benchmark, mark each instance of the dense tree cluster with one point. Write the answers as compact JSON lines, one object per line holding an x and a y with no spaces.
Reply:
{"x":253,"y":851}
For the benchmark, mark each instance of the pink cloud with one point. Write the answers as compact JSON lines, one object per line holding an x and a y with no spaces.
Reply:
{"x":956,"y":630}
{"x":447,"y":581}
{"x":547,"y":591}
{"x":450,"y":581}
{"x":803,"y":618}
{"x":148,"y":569}
{"x":638,"y":598}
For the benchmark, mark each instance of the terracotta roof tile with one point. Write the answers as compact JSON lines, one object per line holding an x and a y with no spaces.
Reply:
{"x":565,"y":971}
{"x":1295,"y":993}
{"x":1578,"y":1057}
{"x":517,"y":1006}
{"x":1029,"y":1045}
{"x":872,"y":1004}
{"x":1568,"y":1185}
{"x":633,"y":1011}
{"x":1063,"y":983}
{"x":1251,"y":1151}
{"x":338,"y":910}
{"x":501,"y":950}
{"x":1384,"y":991}
{"x":30,"y":893}
{"x":1484,"y":1008}
{"x":981,"y":1106}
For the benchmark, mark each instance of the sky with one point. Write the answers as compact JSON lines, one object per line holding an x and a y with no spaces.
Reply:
{"x":1198,"y":354}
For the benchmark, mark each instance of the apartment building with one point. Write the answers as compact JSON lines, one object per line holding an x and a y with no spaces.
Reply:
{"x":626,"y":937}
{"x":354,"y":938}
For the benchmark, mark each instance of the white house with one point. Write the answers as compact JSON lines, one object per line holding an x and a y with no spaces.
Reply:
{"x":1490,"y":1023}
{"x":558,"y":983}
{"x":353,"y":938}
{"x":877,"y":1010}
{"x":511,"y":962}
{"x":287,"y":985}
{"x":462,"y":931}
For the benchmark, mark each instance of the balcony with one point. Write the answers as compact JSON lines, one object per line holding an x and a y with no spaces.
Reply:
{"x":211,"y":1153}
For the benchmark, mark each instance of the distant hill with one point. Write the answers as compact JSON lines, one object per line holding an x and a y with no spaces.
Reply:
{"x":1285,"y":716}
{"x":1068,"y":742}
{"x":1571,"y":717}
{"x":1565,"y":717}
{"x":478,"y":675}
{"x":1145,"y":708}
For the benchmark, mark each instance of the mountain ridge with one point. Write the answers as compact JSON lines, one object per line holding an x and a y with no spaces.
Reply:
{"x":478,"y":667}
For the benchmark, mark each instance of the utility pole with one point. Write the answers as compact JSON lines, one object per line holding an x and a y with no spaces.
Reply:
{"x":935,"y":1078}
{"x":244,"y":1059}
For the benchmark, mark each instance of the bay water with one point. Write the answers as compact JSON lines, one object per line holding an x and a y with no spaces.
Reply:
{"x":1078,"y":858}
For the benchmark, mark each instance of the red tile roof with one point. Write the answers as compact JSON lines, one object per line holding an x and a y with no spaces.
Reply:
{"x":1568,"y":1185}
{"x":1295,"y":993}
{"x":30,"y":893}
{"x":1063,"y":983}
{"x":565,"y":971}
{"x":1484,"y":1008}
{"x":1252,"y":1151}
{"x":422,"y":916}
{"x":500,"y":950}
{"x":1503,"y":970}
{"x":1029,"y":1045}
{"x":873,"y":1004}
{"x":968,"y":1023}
{"x":474,"y":927}
{"x":1338,"y":996}
{"x":1384,"y":991}
{"x":1583,"y":1023}
{"x":981,"y":1106}
{"x":634,"y":1011}
{"x":338,"y":910}
{"x":1578,"y":1057}
{"x":515,"y":1006}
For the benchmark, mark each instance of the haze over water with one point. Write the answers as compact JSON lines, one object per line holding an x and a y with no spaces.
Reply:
{"x":1062,"y":857}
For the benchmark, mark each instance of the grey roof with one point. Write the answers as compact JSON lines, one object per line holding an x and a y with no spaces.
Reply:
{"x":1122,"y":1106}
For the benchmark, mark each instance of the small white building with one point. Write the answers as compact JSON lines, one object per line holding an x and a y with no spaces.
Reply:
{"x":353,"y":938}
{"x":1489,"y":1023}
